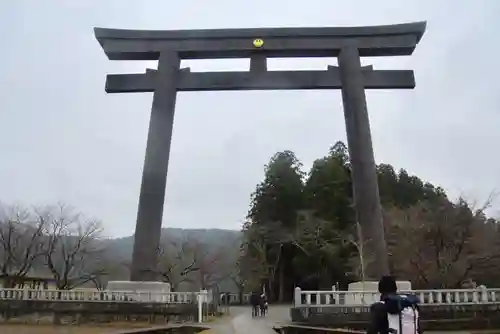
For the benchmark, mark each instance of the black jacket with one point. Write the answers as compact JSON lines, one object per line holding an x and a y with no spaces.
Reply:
{"x":378,"y":318}
{"x":255,"y":299}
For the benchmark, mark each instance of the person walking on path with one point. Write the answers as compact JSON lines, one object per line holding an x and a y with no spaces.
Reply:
{"x":255,"y":302}
{"x":263,"y":304}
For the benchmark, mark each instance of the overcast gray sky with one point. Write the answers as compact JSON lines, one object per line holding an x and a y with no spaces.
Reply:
{"x":63,"y":139}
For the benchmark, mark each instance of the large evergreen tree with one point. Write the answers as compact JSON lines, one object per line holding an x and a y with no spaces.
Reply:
{"x":271,"y":221}
{"x":302,"y":230}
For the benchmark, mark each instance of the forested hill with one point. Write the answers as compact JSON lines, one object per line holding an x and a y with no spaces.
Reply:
{"x":212,"y":238}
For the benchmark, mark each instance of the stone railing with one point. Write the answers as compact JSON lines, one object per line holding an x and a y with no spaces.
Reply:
{"x":103,"y":296}
{"x":234,"y":298}
{"x":363,"y":298}
{"x":84,"y":296}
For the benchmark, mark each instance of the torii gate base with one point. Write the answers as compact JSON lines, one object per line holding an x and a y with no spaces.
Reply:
{"x":169,"y":47}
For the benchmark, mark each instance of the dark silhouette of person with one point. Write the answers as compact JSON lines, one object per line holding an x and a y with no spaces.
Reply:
{"x":255,"y":302}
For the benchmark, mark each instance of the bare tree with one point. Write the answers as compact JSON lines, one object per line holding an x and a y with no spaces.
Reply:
{"x":355,"y":237}
{"x":176,"y":260}
{"x":108,"y":270}
{"x":21,"y":241}
{"x":240,"y":268}
{"x":210,"y":265}
{"x":191,"y":261}
{"x":74,"y":252}
{"x":239,"y":277}
{"x":442,"y":245}
{"x":254,"y":265}
{"x":263,"y":250}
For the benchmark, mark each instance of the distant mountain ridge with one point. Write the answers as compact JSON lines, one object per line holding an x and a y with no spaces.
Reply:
{"x":121,"y":248}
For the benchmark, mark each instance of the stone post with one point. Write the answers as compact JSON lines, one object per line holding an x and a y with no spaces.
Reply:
{"x":202,"y":298}
{"x":297,"y":297}
{"x":154,"y":175}
{"x":26,"y":294}
{"x":364,"y":177}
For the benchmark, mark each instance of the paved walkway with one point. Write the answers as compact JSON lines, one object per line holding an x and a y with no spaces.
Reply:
{"x":241,"y":321}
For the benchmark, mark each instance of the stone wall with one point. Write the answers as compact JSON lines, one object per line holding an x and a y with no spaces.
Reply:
{"x":433,"y":317}
{"x":79,"y":311}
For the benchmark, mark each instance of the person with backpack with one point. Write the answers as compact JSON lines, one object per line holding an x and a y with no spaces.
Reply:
{"x":395,"y":313}
{"x":263,"y":304}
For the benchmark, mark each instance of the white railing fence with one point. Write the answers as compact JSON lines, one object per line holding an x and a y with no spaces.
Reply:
{"x":198,"y":298}
{"x":101,"y":296}
{"x":363,"y":298}
{"x":234,"y":298}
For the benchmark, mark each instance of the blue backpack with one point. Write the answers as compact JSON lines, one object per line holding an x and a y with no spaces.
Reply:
{"x":402,"y":313}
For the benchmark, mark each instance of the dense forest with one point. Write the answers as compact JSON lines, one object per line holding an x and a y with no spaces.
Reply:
{"x":301,"y":230}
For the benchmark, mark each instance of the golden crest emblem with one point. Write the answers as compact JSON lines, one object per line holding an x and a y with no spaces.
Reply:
{"x":258,"y":42}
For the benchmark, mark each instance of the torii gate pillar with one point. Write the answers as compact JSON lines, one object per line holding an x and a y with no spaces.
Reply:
{"x":364,"y":177}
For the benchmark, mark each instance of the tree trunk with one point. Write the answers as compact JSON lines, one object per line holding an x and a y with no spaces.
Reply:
{"x":240,"y":295}
{"x":269,"y":289}
{"x":281,"y":293}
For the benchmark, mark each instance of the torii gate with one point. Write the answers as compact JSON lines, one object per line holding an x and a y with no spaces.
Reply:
{"x":348,"y":44}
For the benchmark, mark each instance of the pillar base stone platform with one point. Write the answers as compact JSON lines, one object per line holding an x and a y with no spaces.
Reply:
{"x":369,"y":286}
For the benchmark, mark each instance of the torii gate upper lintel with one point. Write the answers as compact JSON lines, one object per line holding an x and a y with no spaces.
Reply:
{"x":170,"y":47}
